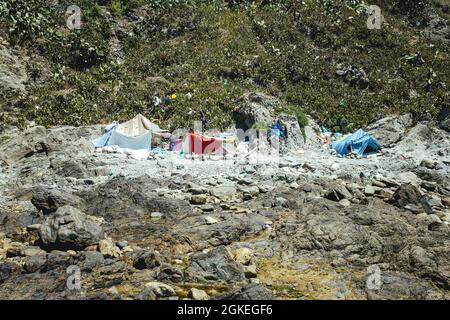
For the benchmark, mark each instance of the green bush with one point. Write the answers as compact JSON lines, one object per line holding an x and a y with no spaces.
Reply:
{"x":211,"y":53}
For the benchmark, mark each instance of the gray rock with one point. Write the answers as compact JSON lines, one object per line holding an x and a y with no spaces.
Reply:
{"x":253,"y":108}
{"x":33,"y":251}
{"x":24,"y":145}
{"x":207,"y":208}
{"x":146,"y":259}
{"x":69,"y":228}
{"x":409,"y":195}
{"x":214,"y":266}
{"x":91,"y":260}
{"x":369,"y":191}
{"x":49,"y":200}
{"x":198,"y":199}
{"x":121,"y":244}
{"x":390,"y":130}
{"x":197,"y":190}
{"x":34,"y":263}
{"x":13,"y":72}
{"x":170,"y":273}
{"x":223,"y":191}
{"x":338,"y":192}
{"x":160,"y":289}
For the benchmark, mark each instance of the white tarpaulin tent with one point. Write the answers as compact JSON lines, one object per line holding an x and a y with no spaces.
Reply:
{"x":135,"y":134}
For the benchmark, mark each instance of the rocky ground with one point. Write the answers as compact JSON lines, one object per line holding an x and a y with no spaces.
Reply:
{"x":308,"y":227}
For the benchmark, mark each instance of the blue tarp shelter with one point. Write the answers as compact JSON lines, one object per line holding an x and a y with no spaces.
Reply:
{"x":115,"y":138}
{"x":359,"y":142}
{"x":135,"y":134}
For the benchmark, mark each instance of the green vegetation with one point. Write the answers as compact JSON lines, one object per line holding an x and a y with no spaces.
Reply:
{"x":211,"y":52}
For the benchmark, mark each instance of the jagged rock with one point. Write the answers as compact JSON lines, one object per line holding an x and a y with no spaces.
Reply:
{"x":337,"y":193}
{"x":170,"y":273}
{"x":253,"y":108}
{"x":69,"y":168}
{"x":8,"y":269}
{"x":49,"y":200}
{"x":69,"y":228}
{"x":24,"y":145}
{"x":121,"y":197}
{"x":408,"y":194}
{"x":146,"y":259}
{"x":390,"y":130}
{"x":13,"y":73}
{"x":91,"y":260}
{"x":216,"y":265}
{"x":34,"y":263}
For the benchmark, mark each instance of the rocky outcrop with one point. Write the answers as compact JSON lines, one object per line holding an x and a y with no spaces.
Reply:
{"x":216,"y":265}
{"x":391,"y":130}
{"x":13,"y":74}
{"x":69,"y":228}
{"x":49,"y":200}
{"x":253,"y":108}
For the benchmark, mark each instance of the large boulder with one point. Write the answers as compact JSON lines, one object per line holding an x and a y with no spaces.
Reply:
{"x":409,"y":196}
{"x":23,"y":144}
{"x":49,"y":200}
{"x":216,"y":266}
{"x":69,"y":228}
{"x":253,"y":108}
{"x":390,"y":130}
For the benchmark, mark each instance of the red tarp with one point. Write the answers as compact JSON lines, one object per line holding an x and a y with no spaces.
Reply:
{"x":199,"y":144}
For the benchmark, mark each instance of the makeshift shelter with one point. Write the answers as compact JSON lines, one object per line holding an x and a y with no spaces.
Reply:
{"x":196,"y":143}
{"x":359,"y":142}
{"x":135,"y":134}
